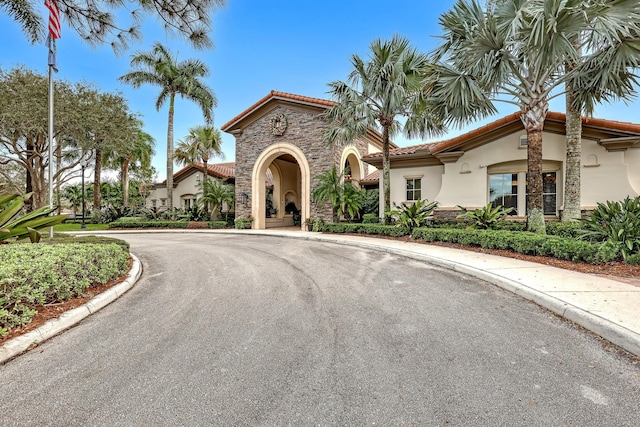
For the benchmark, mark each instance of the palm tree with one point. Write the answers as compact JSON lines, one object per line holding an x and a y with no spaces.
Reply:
{"x":610,"y":36}
{"x":202,"y":143}
{"x":73,"y":194}
{"x":518,"y":50}
{"x":215,"y":193}
{"x":329,"y":189}
{"x":377,"y":92}
{"x":138,"y":152}
{"x":160,"y":68}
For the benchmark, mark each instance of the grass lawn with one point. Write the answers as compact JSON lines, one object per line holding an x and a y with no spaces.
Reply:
{"x":76,"y":227}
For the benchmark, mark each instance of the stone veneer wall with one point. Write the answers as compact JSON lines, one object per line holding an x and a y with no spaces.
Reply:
{"x":304,"y":130}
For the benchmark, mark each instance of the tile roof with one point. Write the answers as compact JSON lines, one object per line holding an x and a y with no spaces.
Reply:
{"x":440,"y":146}
{"x":218,"y":170}
{"x":372,"y":178}
{"x":278,"y":95}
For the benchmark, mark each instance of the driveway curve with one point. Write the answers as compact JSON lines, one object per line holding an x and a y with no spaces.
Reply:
{"x":257,"y":330}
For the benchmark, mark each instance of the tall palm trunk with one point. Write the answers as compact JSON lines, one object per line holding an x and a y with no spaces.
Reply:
{"x":170,"y":154}
{"x":386,"y":168}
{"x":533,"y":120}
{"x":124,"y":180}
{"x":205,"y":177}
{"x":573,"y":130}
{"x":96,"y":179}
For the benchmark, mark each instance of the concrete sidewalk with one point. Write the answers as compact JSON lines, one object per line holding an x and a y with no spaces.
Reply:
{"x":607,"y":307}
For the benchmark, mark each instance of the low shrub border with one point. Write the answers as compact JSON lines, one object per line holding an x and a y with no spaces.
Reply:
{"x":521,"y":242}
{"x":149,"y":224}
{"x":42,"y":274}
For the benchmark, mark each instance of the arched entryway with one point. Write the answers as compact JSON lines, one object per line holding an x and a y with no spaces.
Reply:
{"x":290,"y":168}
{"x":351,"y":166}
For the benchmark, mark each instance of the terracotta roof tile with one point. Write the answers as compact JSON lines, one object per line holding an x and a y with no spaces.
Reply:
{"x":373,"y":177}
{"x":439,"y":146}
{"x":278,"y":95}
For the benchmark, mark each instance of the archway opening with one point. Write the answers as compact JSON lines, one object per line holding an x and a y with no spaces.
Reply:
{"x":282,"y":201}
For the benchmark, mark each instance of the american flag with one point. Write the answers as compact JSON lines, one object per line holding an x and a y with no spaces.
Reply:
{"x":54,"y":18}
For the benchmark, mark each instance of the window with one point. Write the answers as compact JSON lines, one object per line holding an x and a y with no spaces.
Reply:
{"x":549,"y":193}
{"x":414,"y":189}
{"x":163,"y":202}
{"x":503,"y":190}
{"x":154,"y":203}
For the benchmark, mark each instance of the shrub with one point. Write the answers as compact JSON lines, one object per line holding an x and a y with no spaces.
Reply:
{"x":379,"y":229}
{"x":243,"y":222}
{"x":217,"y":224}
{"x":149,"y":224}
{"x":617,"y":223}
{"x":521,"y":242}
{"x":572,"y":230}
{"x":414,"y":215}
{"x":485,"y":217}
{"x":39,"y":274}
{"x":15,"y":225}
{"x":370,"y":218}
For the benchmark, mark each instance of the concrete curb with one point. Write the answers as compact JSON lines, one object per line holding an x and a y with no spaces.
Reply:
{"x":23,"y":343}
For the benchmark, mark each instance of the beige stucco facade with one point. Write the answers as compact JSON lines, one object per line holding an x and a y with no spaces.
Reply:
{"x":467,"y":170}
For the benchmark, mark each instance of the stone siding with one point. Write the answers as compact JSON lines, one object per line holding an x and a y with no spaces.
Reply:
{"x":304,"y":130}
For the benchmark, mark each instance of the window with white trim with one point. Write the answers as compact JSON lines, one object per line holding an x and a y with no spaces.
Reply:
{"x":503,"y":191}
{"x":414,"y":189}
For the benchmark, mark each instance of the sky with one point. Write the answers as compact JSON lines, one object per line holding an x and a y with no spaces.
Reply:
{"x":284,"y":45}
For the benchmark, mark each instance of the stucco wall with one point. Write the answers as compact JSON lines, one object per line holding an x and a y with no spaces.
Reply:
{"x":465,"y":182}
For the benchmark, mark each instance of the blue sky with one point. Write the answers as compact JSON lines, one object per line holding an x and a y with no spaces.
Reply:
{"x":286,"y":45}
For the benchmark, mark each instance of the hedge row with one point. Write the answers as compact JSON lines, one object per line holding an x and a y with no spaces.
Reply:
{"x":521,"y":242}
{"x":41,"y":274}
{"x":149,"y":224}
{"x":376,"y":229}
{"x":163,"y":224}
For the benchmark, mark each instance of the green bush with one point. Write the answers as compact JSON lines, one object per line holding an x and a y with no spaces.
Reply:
{"x":617,"y":223}
{"x":485,"y":217}
{"x":217,"y":224}
{"x":95,"y":240}
{"x":149,"y":224}
{"x":521,"y":242}
{"x":370,"y":218}
{"x":413,"y":215}
{"x":573,"y":230}
{"x":40,"y":274}
{"x":375,"y":229}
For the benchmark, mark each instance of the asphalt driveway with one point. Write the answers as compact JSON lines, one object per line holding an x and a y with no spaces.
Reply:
{"x":257,"y":330}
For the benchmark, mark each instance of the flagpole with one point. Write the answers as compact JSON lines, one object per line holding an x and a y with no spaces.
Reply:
{"x":54,"y":33}
{"x":50,"y":143}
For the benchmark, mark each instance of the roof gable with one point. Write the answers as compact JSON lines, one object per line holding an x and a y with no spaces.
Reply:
{"x":275,"y":98}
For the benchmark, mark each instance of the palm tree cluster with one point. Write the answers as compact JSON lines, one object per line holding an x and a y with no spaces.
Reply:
{"x":523,"y":52}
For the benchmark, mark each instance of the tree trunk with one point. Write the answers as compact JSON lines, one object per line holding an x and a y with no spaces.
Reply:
{"x":124,"y":181}
{"x":170,"y":154}
{"x":205,"y":177}
{"x":533,"y":119}
{"x":386,"y":167}
{"x":573,"y":130}
{"x":29,"y":184}
{"x":96,"y":179}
